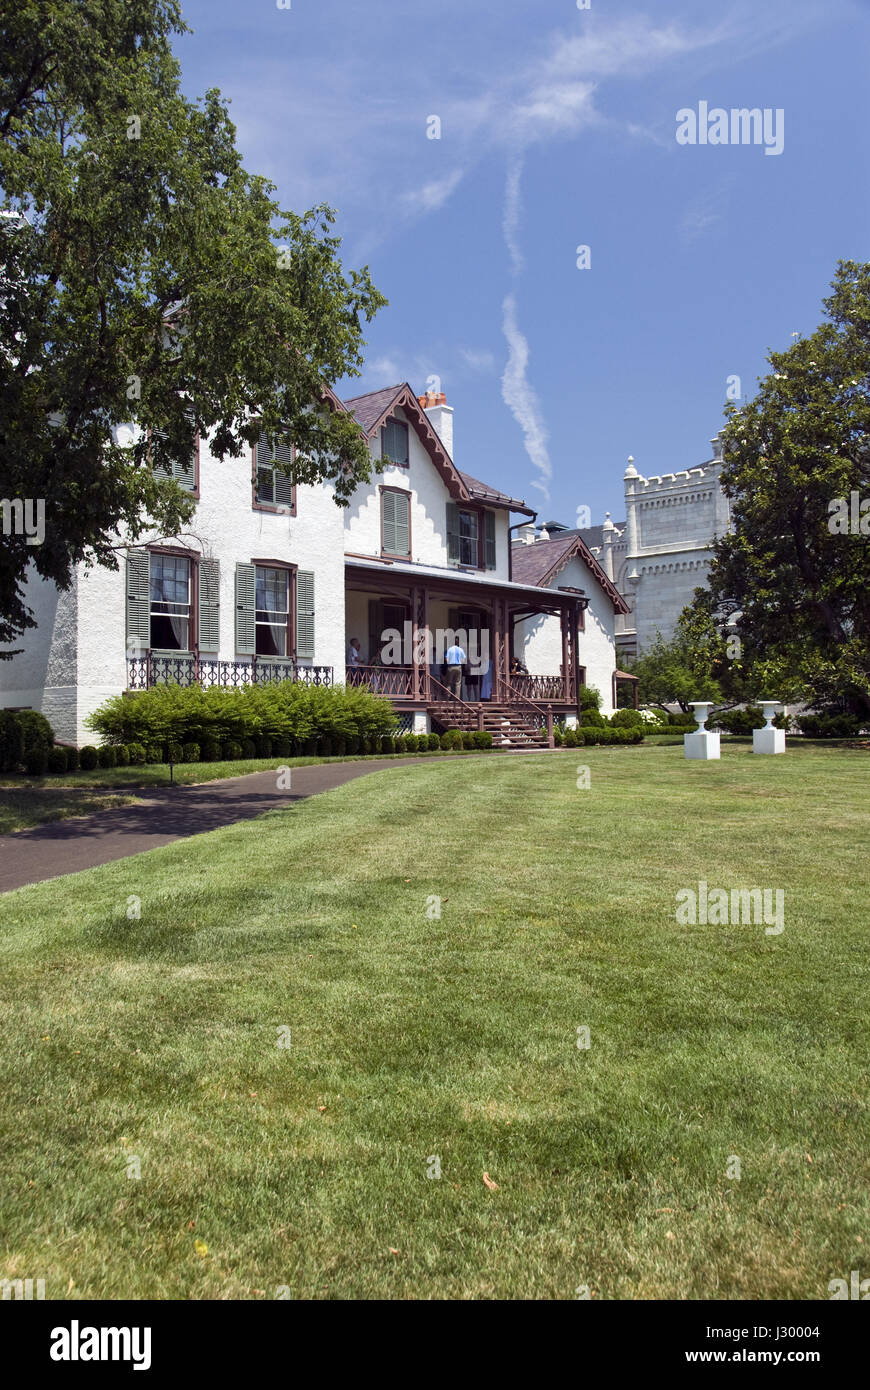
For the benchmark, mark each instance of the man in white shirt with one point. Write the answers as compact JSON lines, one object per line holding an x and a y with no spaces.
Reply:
{"x":455,"y":658}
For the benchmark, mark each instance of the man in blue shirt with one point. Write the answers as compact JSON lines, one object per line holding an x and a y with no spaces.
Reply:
{"x":455,"y":658}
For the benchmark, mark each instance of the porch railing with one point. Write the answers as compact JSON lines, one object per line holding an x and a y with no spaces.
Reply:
{"x":470,"y":714}
{"x":188,"y":669}
{"x":532,"y":715}
{"x":397,"y":682}
{"x":540,"y":688}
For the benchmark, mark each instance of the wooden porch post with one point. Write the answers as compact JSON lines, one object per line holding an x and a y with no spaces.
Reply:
{"x":419,"y":623}
{"x":551,"y":742}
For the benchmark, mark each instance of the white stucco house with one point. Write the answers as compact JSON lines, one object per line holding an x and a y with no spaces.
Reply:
{"x":272,"y":581}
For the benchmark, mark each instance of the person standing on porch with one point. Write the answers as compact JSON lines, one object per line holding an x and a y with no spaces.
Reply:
{"x":354,"y":655}
{"x":455,"y":658}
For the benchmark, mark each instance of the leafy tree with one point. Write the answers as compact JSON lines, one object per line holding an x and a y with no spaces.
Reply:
{"x":797,"y":472}
{"x":145,"y":277}
{"x":684,"y":667}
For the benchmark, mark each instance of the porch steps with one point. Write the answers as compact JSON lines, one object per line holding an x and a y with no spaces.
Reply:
{"x":500,"y":720}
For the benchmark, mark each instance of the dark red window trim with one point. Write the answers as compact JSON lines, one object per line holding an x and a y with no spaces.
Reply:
{"x":291,"y":604}
{"x":481,"y":533}
{"x":272,"y":507}
{"x":405,"y":492}
{"x":194,"y":557}
{"x":385,"y":459}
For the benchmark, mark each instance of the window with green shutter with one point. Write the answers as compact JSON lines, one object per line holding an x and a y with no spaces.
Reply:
{"x":394,"y":443}
{"x":184,"y":470}
{"x":273,"y":488}
{"x":305,"y":614}
{"x":138,"y":601}
{"x":452,"y":533}
{"x":209,"y":606}
{"x":489,"y":539}
{"x":246,"y":609}
{"x":395,"y":522}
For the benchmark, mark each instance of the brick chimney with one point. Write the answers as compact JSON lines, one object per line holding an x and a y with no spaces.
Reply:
{"x":440,"y":416}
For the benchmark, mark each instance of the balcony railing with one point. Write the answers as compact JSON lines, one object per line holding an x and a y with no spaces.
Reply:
{"x":188,"y":669}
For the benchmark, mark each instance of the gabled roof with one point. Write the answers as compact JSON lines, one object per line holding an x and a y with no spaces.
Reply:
{"x":375,"y":407}
{"x":540,"y":562}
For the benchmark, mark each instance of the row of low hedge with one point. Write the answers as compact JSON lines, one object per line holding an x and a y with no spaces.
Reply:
{"x":596,"y":734}
{"x":285,"y":711}
{"x":58,"y":760}
{"x":22,"y":732}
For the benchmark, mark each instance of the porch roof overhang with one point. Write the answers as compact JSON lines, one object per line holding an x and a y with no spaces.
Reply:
{"x":393,"y":574}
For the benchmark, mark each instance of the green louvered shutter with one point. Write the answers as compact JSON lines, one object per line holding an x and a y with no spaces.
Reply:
{"x":184,"y":471}
{"x":305,"y":614}
{"x":489,"y":539}
{"x":246,"y":602}
{"x":161,"y":470}
{"x":388,"y":522}
{"x":138,"y":599}
{"x":283,"y":481}
{"x":403,"y":523}
{"x":453,"y":549}
{"x":209,"y":606}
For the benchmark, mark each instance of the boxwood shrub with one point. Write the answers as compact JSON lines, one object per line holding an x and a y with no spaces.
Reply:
{"x":451,"y":739}
{"x":88,"y":758}
{"x":175,"y":752}
{"x":137,"y":754}
{"x":36,"y":761}
{"x":107,"y":755}
{"x":123,"y":755}
{"x":154,"y":753}
{"x":72,"y":759}
{"x":57,"y":760}
{"x":210,"y":751}
{"x":626,"y":719}
{"x":232,"y":750}
{"x":191,"y":752}
{"x":22,"y":730}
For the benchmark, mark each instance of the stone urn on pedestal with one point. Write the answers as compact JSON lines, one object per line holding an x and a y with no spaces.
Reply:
{"x":703,"y":742}
{"x":768,"y":739}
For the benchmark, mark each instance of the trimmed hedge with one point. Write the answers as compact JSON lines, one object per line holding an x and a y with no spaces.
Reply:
{"x":88,"y":758}
{"x":830,"y":725}
{"x":36,"y":761}
{"x":287,"y":711}
{"x":57,"y":760}
{"x":21,"y":731}
{"x":627,"y":719}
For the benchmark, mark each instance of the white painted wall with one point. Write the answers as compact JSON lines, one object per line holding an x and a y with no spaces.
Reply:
{"x":77,"y":657}
{"x":541,"y":636}
{"x":429,"y":498}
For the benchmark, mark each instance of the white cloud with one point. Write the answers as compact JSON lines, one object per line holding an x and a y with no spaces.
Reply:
{"x":478,"y":361}
{"x":520,"y":398}
{"x":432,"y":195}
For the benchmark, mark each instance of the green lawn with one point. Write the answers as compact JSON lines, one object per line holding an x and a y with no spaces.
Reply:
{"x":32,"y":804}
{"x":412,"y":1037}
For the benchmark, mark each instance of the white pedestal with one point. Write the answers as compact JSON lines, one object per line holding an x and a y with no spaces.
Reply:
{"x":703,"y":744}
{"x":768,"y":740}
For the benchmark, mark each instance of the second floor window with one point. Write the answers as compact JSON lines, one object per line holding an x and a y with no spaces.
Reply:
{"x":395,"y":442}
{"x":273,"y":611}
{"x":395,"y":522}
{"x":273,"y":488}
{"x":469,"y":545}
{"x":183,"y":470}
{"x":170,"y":603}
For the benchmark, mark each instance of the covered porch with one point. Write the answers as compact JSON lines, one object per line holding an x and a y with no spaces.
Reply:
{"x":403,"y":618}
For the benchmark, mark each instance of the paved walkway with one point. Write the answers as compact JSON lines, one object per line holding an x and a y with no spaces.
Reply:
{"x":161,"y":816}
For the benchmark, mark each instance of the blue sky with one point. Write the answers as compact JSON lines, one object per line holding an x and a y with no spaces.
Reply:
{"x":558,"y":129}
